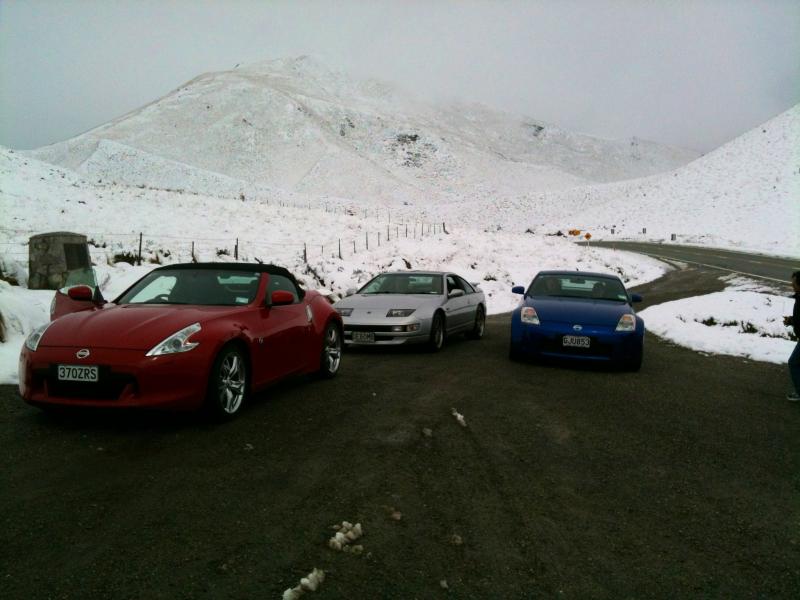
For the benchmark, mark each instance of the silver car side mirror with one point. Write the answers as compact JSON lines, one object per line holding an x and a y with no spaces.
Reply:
{"x":455,"y":293}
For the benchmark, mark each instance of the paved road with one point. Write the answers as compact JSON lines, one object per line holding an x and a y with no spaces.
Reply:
{"x":755,"y":265}
{"x":678,"y":481}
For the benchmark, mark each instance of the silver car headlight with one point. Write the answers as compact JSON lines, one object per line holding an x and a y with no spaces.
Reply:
{"x":177,"y":342}
{"x":32,"y":341}
{"x":400,"y":312}
{"x":626,"y":323}
{"x":345,"y":312}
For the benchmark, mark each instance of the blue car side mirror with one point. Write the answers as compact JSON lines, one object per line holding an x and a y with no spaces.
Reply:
{"x":636,"y":298}
{"x":518,"y":289}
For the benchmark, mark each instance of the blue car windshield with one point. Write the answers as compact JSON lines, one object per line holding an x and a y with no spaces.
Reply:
{"x":403,"y":283}
{"x":578,"y":286}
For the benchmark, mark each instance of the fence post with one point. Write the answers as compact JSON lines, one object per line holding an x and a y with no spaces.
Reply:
{"x":379,"y":238}
{"x":305,"y":254}
{"x":139,"y":256}
{"x":406,"y":229}
{"x":366,"y":238}
{"x":354,"y":246}
{"x":193,"y":258}
{"x":340,"y":249}
{"x":387,"y":232}
{"x":444,"y":227}
{"x":236,"y":250}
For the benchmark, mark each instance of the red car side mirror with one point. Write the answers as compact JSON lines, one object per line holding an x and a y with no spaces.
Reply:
{"x":81,"y":292}
{"x":280,"y":297}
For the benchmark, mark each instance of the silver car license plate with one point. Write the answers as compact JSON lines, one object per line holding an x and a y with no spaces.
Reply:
{"x":576,"y":341}
{"x":77,"y":373}
{"x":367,"y":337}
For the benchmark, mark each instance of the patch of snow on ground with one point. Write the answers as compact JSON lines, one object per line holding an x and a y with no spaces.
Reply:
{"x":744,"y":320}
{"x":22,"y":310}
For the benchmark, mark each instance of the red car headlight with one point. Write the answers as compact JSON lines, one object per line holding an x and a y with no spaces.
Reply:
{"x":177,"y":342}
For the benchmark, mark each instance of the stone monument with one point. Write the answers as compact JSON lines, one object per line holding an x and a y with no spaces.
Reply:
{"x":53,"y":256}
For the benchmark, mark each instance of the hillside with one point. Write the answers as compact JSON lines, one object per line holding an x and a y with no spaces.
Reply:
{"x":296,"y":125}
{"x":745,"y":194}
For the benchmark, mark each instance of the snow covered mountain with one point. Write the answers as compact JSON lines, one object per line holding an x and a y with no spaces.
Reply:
{"x":745,"y":194}
{"x":296,"y":125}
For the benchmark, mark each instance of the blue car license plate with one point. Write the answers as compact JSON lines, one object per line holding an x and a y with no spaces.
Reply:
{"x":576,"y":341}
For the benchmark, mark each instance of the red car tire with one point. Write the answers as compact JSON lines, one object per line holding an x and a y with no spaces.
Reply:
{"x":228,"y":383}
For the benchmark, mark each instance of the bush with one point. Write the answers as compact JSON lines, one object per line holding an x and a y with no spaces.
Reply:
{"x":126,"y":257}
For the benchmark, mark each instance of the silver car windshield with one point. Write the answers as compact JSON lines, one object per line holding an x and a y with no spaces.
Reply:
{"x":577,"y":286}
{"x":403,"y":283}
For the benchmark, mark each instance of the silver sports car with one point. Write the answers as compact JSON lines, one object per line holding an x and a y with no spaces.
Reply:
{"x":412,"y":307}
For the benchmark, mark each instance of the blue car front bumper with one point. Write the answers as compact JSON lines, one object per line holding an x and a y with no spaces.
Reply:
{"x":547,"y":339}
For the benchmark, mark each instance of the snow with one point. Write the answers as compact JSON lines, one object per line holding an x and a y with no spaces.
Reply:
{"x":743,"y":320}
{"x":297,"y":125}
{"x":22,"y":311}
{"x":744,"y":196}
{"x":283,"y":161}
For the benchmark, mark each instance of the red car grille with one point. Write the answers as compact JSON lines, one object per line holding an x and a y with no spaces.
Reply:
{"x":109,"y":386}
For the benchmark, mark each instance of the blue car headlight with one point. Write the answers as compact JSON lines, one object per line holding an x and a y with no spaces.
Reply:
{"x":528,"y":315}
{"x":626,"y":323}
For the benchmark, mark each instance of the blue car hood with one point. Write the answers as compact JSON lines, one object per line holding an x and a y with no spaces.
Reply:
{"x":604,"y":313}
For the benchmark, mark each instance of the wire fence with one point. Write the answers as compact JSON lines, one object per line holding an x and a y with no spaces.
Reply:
{"x":143,"y":247}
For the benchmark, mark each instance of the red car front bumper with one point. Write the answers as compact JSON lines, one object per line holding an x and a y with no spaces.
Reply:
{"x":127,"y":378}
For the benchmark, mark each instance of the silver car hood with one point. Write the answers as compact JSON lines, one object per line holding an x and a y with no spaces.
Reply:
{"x":387,"y":301}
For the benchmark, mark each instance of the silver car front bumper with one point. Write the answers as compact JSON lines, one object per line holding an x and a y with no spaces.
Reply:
{"x":384,"y":331}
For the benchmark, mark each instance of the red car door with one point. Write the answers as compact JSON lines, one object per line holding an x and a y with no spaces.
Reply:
{"x":283,"y":335}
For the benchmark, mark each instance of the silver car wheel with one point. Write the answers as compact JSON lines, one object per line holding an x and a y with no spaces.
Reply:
{"x":332,"y":351}
{"x":480,"y":324}
{"x":437,"y":333}
{"x":231,"y":384}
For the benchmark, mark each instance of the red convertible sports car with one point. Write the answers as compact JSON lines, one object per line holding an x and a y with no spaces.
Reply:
{"x":184,"y":336}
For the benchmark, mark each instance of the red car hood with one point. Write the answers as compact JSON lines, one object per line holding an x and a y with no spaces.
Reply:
{"x":128,"y":327}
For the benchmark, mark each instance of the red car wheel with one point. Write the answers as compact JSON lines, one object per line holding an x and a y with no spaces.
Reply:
{"x":331,"y":357}
{"x":227,"y":388}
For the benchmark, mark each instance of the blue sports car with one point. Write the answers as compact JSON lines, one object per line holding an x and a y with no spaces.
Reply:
{"x":574,"y":314}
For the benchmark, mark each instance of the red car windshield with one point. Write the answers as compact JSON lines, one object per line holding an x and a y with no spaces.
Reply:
{"x":194,"y":286}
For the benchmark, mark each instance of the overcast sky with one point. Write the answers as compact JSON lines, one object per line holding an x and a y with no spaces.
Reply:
{"x":691,"y":73}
